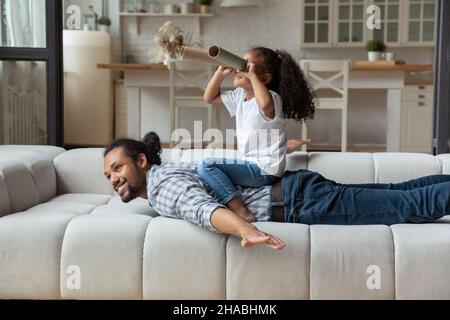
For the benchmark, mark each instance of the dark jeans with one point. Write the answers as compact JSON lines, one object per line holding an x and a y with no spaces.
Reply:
{"x":310,"y":198}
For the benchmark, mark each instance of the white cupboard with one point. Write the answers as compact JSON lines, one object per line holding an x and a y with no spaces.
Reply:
{"x":88,"y":92}
{"x":343,"y":23}
{"x":417,"y":118}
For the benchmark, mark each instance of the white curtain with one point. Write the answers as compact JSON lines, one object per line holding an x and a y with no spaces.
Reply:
{"x":25,"y":23}
{"x":25,"y":27}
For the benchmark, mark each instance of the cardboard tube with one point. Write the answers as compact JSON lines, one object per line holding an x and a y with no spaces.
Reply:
{"x":189,"y":53}
{"x":227,"y":58}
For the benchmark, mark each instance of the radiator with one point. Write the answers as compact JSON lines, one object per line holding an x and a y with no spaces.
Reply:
{"x":25,"y":118}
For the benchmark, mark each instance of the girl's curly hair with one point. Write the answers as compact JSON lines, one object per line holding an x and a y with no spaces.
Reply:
{"x":289,"y":82}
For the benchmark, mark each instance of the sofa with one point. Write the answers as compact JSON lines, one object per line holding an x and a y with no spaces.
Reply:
{"x":64,"y":234}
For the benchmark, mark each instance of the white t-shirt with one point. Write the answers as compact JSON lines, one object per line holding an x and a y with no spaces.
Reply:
{"x":260,"y":139}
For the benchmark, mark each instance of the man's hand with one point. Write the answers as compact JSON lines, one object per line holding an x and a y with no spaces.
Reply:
{"x":255,"y":237}
{"x":296,"y":144}
{"x":226,"y":221}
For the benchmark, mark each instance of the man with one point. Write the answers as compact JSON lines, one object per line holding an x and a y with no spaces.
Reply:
{"x":175,"y":190}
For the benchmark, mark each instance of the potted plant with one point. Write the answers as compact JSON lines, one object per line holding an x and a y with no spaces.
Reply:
{"x":205,"y":6}
{"x":375,"y":49}
{"x":104,"y":24}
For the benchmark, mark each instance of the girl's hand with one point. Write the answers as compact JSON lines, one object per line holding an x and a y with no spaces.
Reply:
{"x":296,"y":144}
{"x":224,"y":71}
{"x":251,"y":69}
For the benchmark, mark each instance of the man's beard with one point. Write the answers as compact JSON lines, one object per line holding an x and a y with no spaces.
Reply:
{"x":134,"y":191}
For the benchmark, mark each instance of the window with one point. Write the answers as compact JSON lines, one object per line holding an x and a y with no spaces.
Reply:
{"x":31,"y":105}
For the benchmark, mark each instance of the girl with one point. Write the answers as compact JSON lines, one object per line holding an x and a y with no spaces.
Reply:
{"x":273,"y":89}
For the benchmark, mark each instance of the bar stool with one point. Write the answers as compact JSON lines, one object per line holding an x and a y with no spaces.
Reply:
{"x":329,"y":75}
{"x":186,"y":74}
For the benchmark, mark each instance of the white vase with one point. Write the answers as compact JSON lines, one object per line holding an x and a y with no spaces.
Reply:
{"x":103,"y":27}
{"x":167,"y":58}
{"x":375,"y":55}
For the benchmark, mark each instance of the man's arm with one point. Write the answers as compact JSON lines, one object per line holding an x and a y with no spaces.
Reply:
{"x":228,"y":222}
{"x":184,"y":197}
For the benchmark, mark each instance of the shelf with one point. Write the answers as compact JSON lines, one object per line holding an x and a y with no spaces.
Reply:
{"x":146,"y":14}
{"x":136,"y":16}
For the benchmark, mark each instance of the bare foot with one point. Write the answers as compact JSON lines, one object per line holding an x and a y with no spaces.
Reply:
{"x":246,"y":215}
{"x":237,"y":206}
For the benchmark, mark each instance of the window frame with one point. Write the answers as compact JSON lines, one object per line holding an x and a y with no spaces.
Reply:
{"x":52,"y":55}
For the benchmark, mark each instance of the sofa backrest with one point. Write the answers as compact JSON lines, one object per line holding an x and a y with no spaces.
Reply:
{"x":81,"y":171}
{"x":27,"y":176}
{"x":30,"y":175}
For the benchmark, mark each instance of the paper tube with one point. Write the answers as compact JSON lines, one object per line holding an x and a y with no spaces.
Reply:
{"x":227,"y":58}
{"x":196,"y":54}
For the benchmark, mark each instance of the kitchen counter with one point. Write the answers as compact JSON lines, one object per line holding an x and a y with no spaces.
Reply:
{"x":132,"y":66}
{"x":160,"y":66}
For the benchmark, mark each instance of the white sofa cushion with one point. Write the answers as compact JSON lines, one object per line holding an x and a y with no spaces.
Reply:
{"x":136,"y":206}
{"x":81,"y":171}
{"x":108,"y":252}
{"x":5,"y":206}
{"x":72,"y":207}
{"x":21,"y":189}
{"x":263,"y":273}
{"x":91,"y":198}
{"x":445,"y":162}
{"x":422,"y":261}
{"x":399,"y":167}
{"x":30,"y":254}
{"x":44,"y":152}
{"x":38,"y":161}
{"x":342,"y":256}
{"x":297,"y":161}
{"x":183,"y":261}
{"x":343,"y":167}
{"x":44,"y":176}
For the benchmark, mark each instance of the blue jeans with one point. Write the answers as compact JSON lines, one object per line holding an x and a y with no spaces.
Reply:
{"x":310,"y":198}
{"x":223,"y":174}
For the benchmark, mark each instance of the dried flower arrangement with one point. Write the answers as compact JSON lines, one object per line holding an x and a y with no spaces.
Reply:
{"x":170,"y":38}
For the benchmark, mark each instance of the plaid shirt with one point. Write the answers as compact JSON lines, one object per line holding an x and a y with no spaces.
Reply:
{"x":175,"y":190}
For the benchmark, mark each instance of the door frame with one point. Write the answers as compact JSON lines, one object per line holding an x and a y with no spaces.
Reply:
{"x":441,"y":136}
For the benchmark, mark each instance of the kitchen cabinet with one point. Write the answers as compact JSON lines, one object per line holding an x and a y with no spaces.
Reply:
{"x":350,"y":23}
{"x":420,"y":27}
{"x":343,"y":23}
{"x":417,"y":118}
{"x":391,"y":22}
{"x":317,"y":28}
